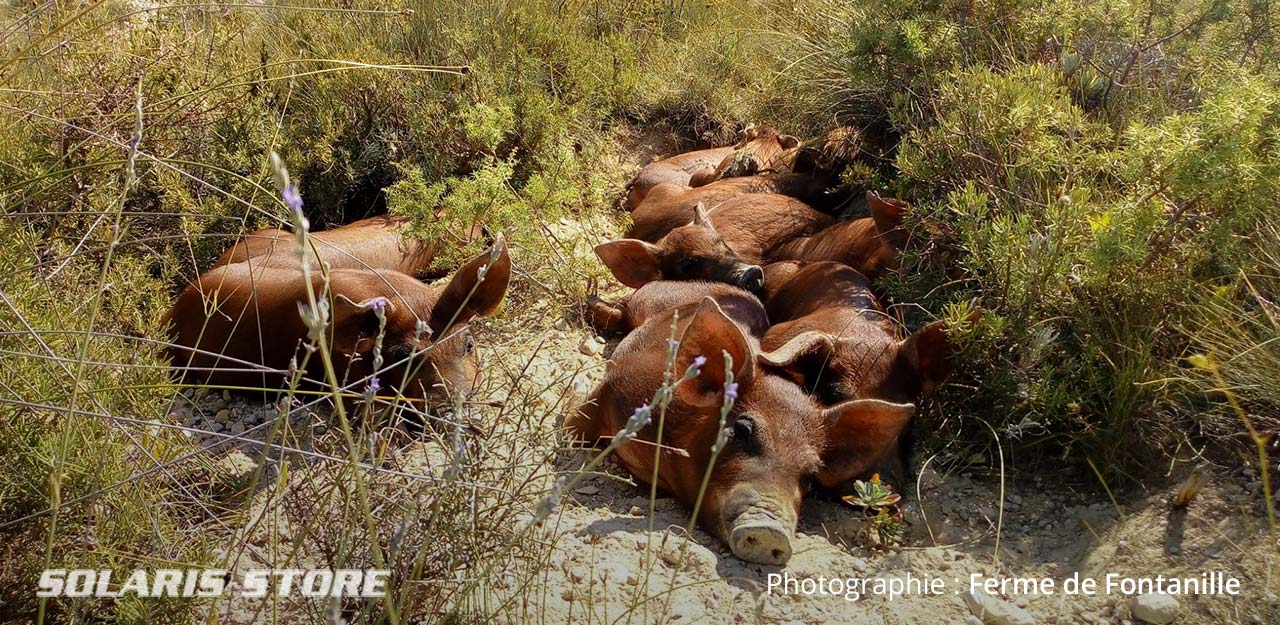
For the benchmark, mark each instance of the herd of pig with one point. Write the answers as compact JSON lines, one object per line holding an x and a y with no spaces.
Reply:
{"x":802,"y":382}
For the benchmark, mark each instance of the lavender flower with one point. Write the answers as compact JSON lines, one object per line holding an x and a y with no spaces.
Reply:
{"x":731,"y":392}
{"x":636,"y":422}
{"x":548,"y":503}
{"x":695,"y":368}
{"x":292,"y":198}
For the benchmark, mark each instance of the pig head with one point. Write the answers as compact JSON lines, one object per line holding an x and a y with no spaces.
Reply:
{"x":775,"y":436}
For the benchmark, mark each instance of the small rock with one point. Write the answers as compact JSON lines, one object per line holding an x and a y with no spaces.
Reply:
{"x":587,"y":490}
{"x":223,"y":416}
{"x":591,"y":347}
{"x":237,"y":428}
{"x":993,"y":611}
{"x":216,"y":426}
{"x":1155,"y":608}
{"x":635,"y":511}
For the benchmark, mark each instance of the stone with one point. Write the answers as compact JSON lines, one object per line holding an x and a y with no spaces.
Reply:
{"x":587,"y":490}
{"x":591,"y":346}
{"x":993,"y":611}
{"x":1155,"y":608}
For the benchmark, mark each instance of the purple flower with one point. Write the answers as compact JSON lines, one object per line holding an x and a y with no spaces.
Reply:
{"x":134,"y":141}
{"x":700,"y":362}
{"x":378,"y":304}
{"x":374,"y":384}
{"x":292,"y":199}
{"x":731,"y":391}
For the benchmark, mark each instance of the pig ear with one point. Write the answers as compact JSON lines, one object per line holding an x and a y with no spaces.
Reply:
{"x":789,"y":355}
{"x":354,"y":321}
{"x":700,"y":217}
{"x":633,"y":262}
{"x":788,"y":142}
{"x":713,"y":335}
{"x":476,"y":289}
{"x":859,"y":432}
{"x":887,"y":212}
{"x":928,"y":352}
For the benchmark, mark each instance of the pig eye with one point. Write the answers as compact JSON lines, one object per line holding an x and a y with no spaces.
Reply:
{"x":690,"y":264}
{"x":397,"y":354}
{"x":746,"y":435}
{"x":470,"y":344}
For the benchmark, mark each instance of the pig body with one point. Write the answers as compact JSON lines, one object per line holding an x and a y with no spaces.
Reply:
{"x":239,"y":324}
{"x":659,"y":298}
{"x":760,"y":148}
{"x":775,"y":436}
{"x":676,"y":171}
{"x":869,"y":245}
{"x":373,"y":243}
{"x":763,"y":150}
{"x":726,"y":244}
{"x":670,"y":206}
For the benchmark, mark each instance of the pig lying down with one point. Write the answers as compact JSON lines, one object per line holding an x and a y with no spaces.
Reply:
{"x":761,"y":148}
{"x":239,"y":324}
{"x":779,"y":439}
{"x":803,"y":378}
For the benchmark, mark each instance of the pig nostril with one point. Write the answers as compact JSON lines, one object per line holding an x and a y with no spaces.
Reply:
{"x":752,"y":539}
{"x":777,"y":554}
{"x":753,"y":278}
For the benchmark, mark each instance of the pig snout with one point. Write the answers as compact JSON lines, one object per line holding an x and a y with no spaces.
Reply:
{"x":759,"y":530}
{"x":750,"y":277}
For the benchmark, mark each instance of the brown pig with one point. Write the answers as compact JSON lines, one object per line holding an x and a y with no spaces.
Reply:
{"x":659,"y":297}
{"x":668,"y":207}
{"x":870,"y":244}
{"x":765,"y":151}
{"x":759,"y":145}
{"x":373,"y":243}
{"x":831,"y":335}
{"x":775,"y":436}
{"x":240,"y":324}
{"x":725,"y":244}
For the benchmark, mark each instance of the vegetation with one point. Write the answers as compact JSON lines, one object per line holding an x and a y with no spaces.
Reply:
{"x":1100,"y":178}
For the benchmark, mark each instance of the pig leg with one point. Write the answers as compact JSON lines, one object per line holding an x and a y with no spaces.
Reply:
{"x":602,"y":315}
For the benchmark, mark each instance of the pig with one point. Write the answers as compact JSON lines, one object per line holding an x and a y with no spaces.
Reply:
{"x":759,"y":144}
{"x":655,"y":298}
{"x":373,"y":243}
{"x":870,"y":244}
{"x":831,"y":335}
{"x":777,"y":436}
{"x":725,"y":244}
{"x":694,"y":251}
{"x":767,"y":151}
{"x":668,"y":207}
{"x":237,"y":319}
